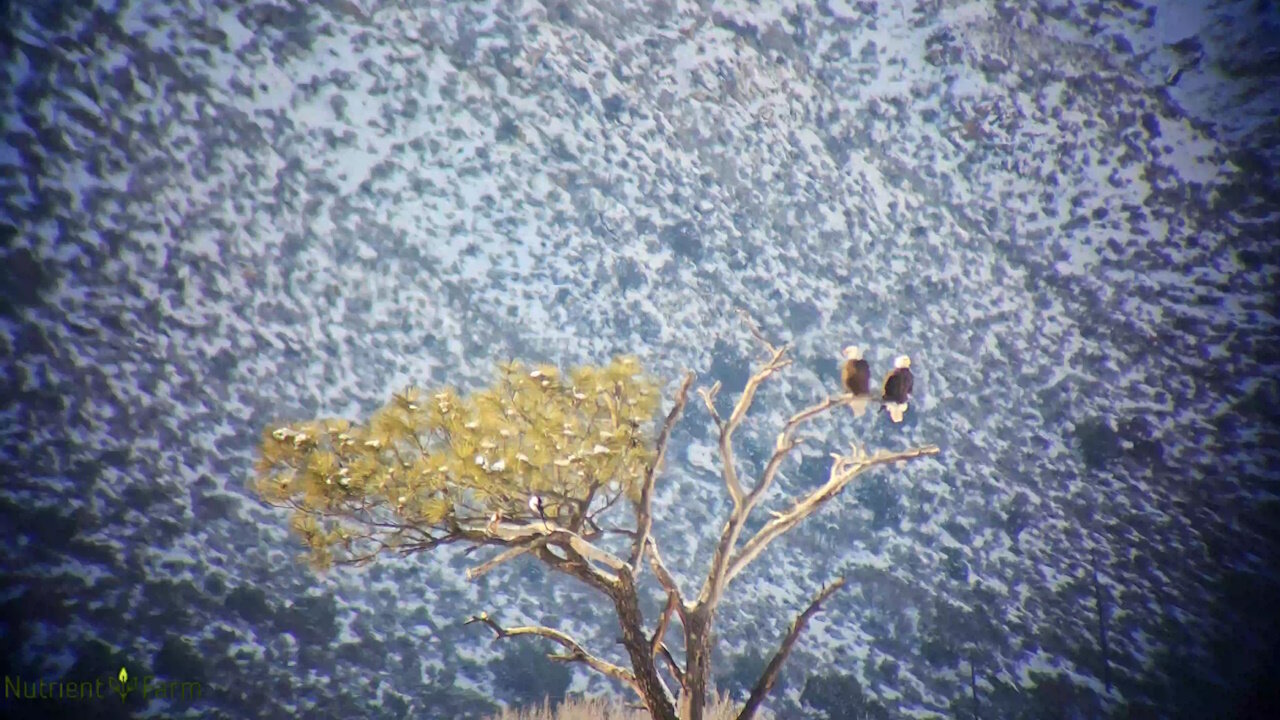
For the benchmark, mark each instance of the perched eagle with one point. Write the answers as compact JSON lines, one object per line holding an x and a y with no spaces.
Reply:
{"x":897,"y":388}
{"x":855,"y":374}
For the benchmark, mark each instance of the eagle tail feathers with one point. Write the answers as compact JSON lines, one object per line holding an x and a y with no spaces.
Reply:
{"x":896,"y":411}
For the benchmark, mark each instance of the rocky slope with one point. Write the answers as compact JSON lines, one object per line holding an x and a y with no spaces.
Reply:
{"x":225,"y":213}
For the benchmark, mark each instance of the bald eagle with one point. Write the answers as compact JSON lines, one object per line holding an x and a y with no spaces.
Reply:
{"x":897,"y":388}
{"x":855,"y":374}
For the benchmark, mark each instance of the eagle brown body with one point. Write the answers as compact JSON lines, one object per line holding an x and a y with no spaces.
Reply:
{"x":897,"y":388}
{"x":855,"y":375}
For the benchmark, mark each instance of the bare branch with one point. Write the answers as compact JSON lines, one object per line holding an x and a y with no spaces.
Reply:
{"x":644,"y":509}
{"x":659,"y":646}
{"x":576,"y":566}
{"x":787,"y":442}
{"x":665,"y":578}
{"x":576,"y":652}
{"x":584,"y":506}
{"x":776,"y":363}
{"x":709,"y":399}
{"x":755,"y":330}
{"x":610,"y":501}
{"x":844,"y":469}
{"x":505,"y":556}
{"x":500,"y":532}
{"x":565,"y":538}
{"x":586,"y":557}
{"x":770,"y":674}
{"x":714,"y":583}
{"x":676,"y":672}
{"x":663,"y":622}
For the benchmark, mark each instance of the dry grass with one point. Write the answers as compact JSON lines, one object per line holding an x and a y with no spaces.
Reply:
{"x":720,"y":708}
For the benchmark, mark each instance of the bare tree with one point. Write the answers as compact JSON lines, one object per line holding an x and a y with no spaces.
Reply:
{"x":423,"y":473}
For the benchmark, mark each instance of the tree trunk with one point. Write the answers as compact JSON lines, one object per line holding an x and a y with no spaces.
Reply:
{"x":638,"y":649}
{"x":697,"y":644}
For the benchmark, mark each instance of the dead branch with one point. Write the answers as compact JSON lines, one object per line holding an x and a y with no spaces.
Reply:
{"x":505,"y":556}
{"x":610,"y":501}
{"x":576,"y":652}
{"x":663,"y":622}
{"x":755,"y":330}
{"x":660,"y":647}
{"x":621,"y":590}
{"x":709,"y":399}
{"x":770,"y":674}
{"x":713,"y":586}
{"x":843,"y":470}
{"x":644,"y":509}
{"x":787,"y":442}
{"x":580,"y":559}
{"x":665,"y":578}
{"x":571,"y":540}
{"x":776,"y":362}
{"x":676,"y":672}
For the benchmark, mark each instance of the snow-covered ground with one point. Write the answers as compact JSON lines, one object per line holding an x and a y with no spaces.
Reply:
{"x":220,"y":214}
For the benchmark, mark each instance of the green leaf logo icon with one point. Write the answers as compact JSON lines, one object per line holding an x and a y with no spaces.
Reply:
{"x":125,"y":687}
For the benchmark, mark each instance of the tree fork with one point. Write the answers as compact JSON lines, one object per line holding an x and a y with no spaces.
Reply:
{"x":640,"y":650}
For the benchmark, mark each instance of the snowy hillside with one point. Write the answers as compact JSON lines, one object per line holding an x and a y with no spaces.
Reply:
{"x":220,"y":214}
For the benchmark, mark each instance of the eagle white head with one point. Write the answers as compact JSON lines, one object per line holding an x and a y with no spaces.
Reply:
{"x":902,"y":362}
{"x":853,"y":352}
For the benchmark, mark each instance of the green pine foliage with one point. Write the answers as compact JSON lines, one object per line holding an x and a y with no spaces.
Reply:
{"x":431,"y":464}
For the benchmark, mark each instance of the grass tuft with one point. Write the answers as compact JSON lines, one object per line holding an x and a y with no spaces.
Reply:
{"x":721,"y":707}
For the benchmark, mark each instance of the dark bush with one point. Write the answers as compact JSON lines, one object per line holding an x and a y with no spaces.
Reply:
{"x":839,"y":697}
{"x":881,"y":498}
{"x":524,"y":676}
